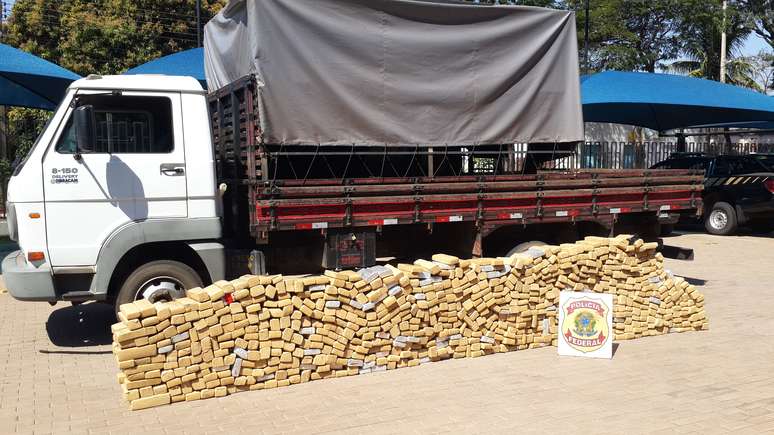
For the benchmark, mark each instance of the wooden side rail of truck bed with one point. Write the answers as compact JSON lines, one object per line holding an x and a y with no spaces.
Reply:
{"x":545,"y":197}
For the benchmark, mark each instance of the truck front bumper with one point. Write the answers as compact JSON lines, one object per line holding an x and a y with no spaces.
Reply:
{"x":26,"y":282}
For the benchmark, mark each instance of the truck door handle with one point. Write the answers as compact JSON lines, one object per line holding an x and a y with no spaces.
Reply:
{"x":172,"y":169}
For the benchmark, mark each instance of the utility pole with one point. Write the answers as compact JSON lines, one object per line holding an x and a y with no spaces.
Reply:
{"x":723,"y":45}
{"x":586,"y":40}
{"x":2,"y":20}
{"x":198,"y":23}
{"x":3,"y":109}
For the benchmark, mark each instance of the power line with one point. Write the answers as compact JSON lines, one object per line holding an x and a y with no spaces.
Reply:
{"x":158,"y":14}
{"x":56,"y":21}
{"x":141,"y":18}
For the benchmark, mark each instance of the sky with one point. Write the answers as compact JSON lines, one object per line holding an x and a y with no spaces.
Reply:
{"x":754,"y":45}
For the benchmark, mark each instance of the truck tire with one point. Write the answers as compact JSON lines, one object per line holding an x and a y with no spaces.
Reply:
{"x":161,"y":280}
{"x":721,"y":219}
{"x":524,"y":247}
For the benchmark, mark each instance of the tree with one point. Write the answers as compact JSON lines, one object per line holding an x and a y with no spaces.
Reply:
{"x":102,"y":36}
{"x":105,"y":36}
{"x":701,"y":34}
{"x":554,"y":4}
{"x":761,"y":71}
{"x":630,"y":34}
{"x":23,"y":128}
{"x":760,"y":18}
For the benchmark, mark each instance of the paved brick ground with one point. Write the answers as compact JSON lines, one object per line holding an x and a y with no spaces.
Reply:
{"x":57,"y":376}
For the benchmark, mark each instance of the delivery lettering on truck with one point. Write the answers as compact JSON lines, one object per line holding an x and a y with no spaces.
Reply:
{"x":324,"y":146}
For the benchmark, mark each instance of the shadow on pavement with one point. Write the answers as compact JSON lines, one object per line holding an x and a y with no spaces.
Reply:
{"x":695,"y":281}
{"x":80,"y":326}
{"x":689,"y":228}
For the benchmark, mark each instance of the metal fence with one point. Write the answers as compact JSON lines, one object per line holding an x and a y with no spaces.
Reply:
{"x":642,"y":155}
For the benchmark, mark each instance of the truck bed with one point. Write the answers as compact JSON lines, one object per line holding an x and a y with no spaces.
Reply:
{"x":273,"y":187}
{"x":544,"y":197}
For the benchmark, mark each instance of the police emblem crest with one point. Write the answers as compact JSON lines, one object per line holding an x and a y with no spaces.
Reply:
{"x":584,"y":323}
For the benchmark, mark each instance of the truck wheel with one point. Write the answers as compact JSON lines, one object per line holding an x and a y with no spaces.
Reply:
{"x":721,"y":219}
{"x":161,"y":280}
{"x":667,"y":229}
{"x":524,"y":247}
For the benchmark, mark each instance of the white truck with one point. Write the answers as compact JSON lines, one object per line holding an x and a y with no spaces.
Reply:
{"x":129,"y":211}
{"x":121,"y":198}
{"x":144,"y":186}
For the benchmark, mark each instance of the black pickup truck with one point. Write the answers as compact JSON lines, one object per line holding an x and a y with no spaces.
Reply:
{"x":738,"y":190}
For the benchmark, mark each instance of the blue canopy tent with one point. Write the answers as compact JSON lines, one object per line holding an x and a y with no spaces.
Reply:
{"x":665,"y":102}
{"x":29,"y":81}
{"x":184,"y":63}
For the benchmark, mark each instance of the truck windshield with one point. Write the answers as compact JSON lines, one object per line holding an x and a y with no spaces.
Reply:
{"x":19,"y":164}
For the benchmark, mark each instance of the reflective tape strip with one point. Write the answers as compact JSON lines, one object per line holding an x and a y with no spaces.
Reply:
{"x":730,"y":180}
{"x":454,"y":218}
{"x":562,"y":213}
{"x":665,"y":207}
{"x":738,"y":179}
{"x":510,"y":216}
{"x":615,"y":210}
{"x":312,"y":226}
{"x":383,"y":222}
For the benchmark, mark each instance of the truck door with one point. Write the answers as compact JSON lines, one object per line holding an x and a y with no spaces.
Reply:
{"x":135,"y":172}
{"x":750,"y":185}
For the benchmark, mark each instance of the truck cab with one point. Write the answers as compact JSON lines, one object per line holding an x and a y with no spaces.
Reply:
{"x":117,"y":199}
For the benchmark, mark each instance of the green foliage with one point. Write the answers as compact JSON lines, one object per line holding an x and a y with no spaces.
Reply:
{"x":24,"y":126}
{"x":759,"y":15}
{"x":701,"y":33}
{"x":96,"y":36}
{"x":631,"y":35}
{"x":105,"y":36}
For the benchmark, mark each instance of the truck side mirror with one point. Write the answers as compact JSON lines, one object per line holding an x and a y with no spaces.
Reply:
{"x":85,"y":136}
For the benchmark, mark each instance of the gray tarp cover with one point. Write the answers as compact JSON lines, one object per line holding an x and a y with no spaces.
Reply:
{"x":396,"y":72}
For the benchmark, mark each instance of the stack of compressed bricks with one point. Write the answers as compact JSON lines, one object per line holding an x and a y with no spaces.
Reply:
{"x":261,"y":332}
